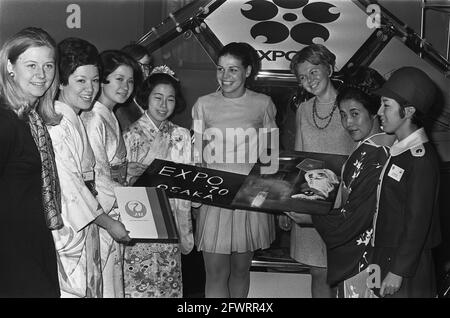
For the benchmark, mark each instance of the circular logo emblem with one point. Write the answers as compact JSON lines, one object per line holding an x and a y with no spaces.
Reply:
{"x":308,"y":19}
{"x":135,"y":209}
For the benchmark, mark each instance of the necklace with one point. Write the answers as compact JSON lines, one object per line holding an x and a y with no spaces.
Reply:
{"x":329,"y":116}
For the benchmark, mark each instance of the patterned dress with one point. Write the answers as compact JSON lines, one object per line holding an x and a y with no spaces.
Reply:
{"x":109,"y":150}
{"x":78,"y":242}
{"x":154,"y":269}
{"x":348,"y":228}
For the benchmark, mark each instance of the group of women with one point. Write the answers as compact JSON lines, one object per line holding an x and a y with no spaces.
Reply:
{"x":389,"y":183}
{"x":64,"y":151}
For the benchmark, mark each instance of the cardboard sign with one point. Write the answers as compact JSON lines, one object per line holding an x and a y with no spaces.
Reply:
{"x":146,"y":213}
{"x":197,"y":184}
{"x":273,"y":193}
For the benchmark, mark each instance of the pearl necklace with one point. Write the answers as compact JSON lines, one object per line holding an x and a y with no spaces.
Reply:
{"x":329,"y":116}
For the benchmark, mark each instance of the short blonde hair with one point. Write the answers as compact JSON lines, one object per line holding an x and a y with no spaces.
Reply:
{"x":316,"y":54}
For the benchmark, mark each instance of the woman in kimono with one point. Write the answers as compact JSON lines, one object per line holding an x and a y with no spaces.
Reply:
{"x":117,"y":84}
{"x":131,"y":111}
{"x":154,"y":269}
{"x":78,"y":242}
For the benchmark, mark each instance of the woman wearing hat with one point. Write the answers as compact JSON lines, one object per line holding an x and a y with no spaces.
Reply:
{"x":406,"y":222}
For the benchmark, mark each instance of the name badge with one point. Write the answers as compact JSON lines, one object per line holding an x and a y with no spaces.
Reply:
{"x":396,"y":172}
{"x":88,"y":176}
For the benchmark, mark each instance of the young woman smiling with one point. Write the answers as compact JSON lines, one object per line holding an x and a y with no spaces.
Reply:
{"x":227,"y":237}
{"x":155,"y":136}
{"x":117,"y":84}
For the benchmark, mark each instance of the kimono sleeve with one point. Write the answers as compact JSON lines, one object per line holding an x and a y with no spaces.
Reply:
{"x":79,"y":206}
{"x":355,"y":216}
{"x":104,"y":182}
{"x":181,"y":149}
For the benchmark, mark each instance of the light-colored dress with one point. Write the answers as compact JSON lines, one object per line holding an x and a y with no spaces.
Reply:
{"x":222,"y":230}
{"x":110,"y":170}
{"x":154,"y":269}
{"x":78,"y":242}
{"x":307,"y":246}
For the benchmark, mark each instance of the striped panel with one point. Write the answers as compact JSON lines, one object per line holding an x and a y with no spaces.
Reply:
{"x":162,"y":213}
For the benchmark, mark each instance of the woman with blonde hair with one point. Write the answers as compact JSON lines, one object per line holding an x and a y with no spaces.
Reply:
{"x":29,"y":188}
{"x":318,"y":129}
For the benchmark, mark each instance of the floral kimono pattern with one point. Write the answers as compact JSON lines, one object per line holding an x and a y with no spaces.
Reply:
{"x":348,"y":228}
{"x":110,"y":168}
{"x":77,"y":242}
{"x":154,"y":269}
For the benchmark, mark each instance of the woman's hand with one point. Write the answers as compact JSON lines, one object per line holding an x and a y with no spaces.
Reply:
{"x":284,"y":222}
{"x":118,"y":231}
{"x":391,"y":284}
{"x":135,"y":170}
{"x":115,"y":228}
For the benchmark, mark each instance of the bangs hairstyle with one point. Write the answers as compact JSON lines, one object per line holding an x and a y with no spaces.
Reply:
{"x":144,"y":91}
{"x":10,"y":92}
{"x":73,"y":53}
{"x":316,"y":54}
{"x":360,"y":87}
{"x":112,"y":59}
{"x":245,"y":53}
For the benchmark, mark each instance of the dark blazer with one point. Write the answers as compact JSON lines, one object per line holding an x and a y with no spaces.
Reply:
{"x":28,"y":265}
{"x":408,"y":217}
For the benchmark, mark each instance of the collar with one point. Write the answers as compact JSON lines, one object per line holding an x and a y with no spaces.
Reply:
{"x":156,"y":128}
{"x":378,"y":140}
{"x":138,"y":106}
{"x":413,"y":140}
{"x":102,"y":107}
{"x":67,"y":112}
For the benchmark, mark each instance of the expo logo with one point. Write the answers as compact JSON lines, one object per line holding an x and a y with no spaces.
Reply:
{"x":271,"y":32}
{"x":135,"y":209}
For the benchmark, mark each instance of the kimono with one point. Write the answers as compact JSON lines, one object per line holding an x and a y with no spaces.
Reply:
{"x":154,"y":269}
{"x":110,"y":171}
{"x":77,"y":242}
{"x":407,"y":225}
{"x":347,"y":229}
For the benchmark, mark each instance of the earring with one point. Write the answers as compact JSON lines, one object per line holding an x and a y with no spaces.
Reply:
{"x":11,"y":74}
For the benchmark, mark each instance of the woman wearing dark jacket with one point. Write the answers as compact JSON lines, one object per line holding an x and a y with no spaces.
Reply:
{"x":29,"y":188}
